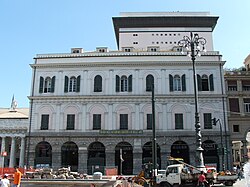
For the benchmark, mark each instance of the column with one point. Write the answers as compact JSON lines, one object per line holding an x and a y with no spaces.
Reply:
{"x":85,"y":78}
{"x":136,"y":124}
{"x":136,"y":81}
{"x":164,"y":125}
{"x":106,"y":122}
{"x":137,"y":155}
{"x":83,"y":158}
{"x":12,"y":152}
{"x":110,"y":117}
{"x":84,"y":120}
{"x":241,"y":105}
{"x":87,"y":121}
{"x":114,"y":125}
{"x":163,"y":82}
{"x":245,"y":157}
{"x":22,"y":152}
{"x":110,"y":157}
{"x":141,"y":125}
{"x":111,"y":82}
{"x":2,"y":150}
{"x":56,"y":156}
{"x":57,"y":118}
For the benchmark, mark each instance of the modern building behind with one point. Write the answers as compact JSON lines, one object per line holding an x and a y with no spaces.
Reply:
{"x":238,"y":90}
{"x":90,"y":110}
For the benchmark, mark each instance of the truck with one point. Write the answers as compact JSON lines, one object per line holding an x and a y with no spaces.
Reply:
{"x":227,"y":180}
{"x":177,"y":175}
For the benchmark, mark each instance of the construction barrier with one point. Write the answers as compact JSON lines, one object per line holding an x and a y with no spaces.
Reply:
{"x":10,"y":171}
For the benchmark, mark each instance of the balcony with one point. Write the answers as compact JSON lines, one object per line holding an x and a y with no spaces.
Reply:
{"x":232,"y":88}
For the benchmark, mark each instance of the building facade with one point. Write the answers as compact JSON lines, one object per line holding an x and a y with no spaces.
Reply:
{"x":93,"y":110}
{"x":238,"y":90}
{"x":14,"y":123}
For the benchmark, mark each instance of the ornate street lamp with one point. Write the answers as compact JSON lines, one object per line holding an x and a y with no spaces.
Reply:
{"x":193,"y":45}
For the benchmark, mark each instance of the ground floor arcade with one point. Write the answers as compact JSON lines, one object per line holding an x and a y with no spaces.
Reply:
{"x":126,"y":153}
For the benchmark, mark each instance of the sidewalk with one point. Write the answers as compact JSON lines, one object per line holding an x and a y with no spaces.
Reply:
{"x":242,"y":183}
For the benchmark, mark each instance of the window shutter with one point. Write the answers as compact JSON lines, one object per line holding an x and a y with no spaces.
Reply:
{"x":78,"y":81}
{"x":211,"y":82}
{"x":53,"y":84}
{"x":130,"y":83}
{"x":66,"y":84}
{"x":117,"y":88}
{"x":171,"y":83}
{"x":41,"y":85}
{"x":183,"y":82}
{"x":199,"y":83}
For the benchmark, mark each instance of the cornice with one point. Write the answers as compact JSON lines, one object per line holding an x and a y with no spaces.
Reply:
{"x":123,"y":99}
{"x":117,"y":54}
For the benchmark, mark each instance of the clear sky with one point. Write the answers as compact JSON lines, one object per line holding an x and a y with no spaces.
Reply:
{"x":30,"y":27}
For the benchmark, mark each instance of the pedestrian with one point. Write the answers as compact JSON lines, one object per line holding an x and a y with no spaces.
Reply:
{"x":17,"y":177}
{"x":202,"y":182}
{"x":5,"y":182}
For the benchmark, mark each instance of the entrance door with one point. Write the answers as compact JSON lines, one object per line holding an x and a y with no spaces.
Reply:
{"x":124,"y":158}
{"x":96,"y":157}
{"x":180,"y":149}
{"x":69,"y":153}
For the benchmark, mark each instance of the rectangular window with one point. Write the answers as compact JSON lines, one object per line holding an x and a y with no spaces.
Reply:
{"x":45,"y":122}
{"x":236,"y":128}
{"x":207,"y":120}
{"x":97,"y":121}
{"x":246,"y":105}
{"x":178,"y":121}
{"x":149,"y":121}
{"x":70,"y":122}
{"x":234,"y":105}
{"x":123,"y":121}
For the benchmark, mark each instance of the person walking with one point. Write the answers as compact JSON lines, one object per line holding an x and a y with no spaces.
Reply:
{"x":202,"y":182}
{"x":17,"y":178}
{"x":5,"y":182}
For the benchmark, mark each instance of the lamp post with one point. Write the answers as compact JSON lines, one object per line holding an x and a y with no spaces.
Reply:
{"x":192,"y":46}
{"x":154,"y":146}
{"x":214,"y":120}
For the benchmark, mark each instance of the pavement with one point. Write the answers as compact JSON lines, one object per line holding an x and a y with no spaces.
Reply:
{"x":242,"y":183}
{"x":239,"y":183}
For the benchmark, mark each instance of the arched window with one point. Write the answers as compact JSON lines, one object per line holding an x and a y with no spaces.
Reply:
{"x":47,"y":85}
{"x":72,"y":84}
{"x":124,"y":84}
{"x":177,"y":83}
{"x":205,"y":82}
{"x":98,"y":83}
{"x":149,"y":82}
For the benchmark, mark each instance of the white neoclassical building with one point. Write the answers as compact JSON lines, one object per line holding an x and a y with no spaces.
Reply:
{"x":89,"y":109}
{"x":14,"y":123}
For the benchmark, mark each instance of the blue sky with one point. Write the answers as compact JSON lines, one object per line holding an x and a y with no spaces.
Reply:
{"x":30,"y":27}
